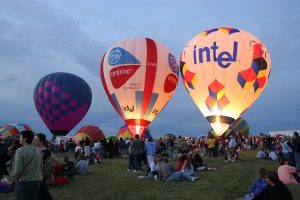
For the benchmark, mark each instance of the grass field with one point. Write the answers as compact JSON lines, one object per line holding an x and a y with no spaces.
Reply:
{"x":110,"y":180}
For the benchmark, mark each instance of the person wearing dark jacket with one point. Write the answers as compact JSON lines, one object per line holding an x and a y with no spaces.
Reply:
{"x":137,"y":146}
{"x":296,"y":143}
{"x":3,"y":157}
{"x":276,"y":189}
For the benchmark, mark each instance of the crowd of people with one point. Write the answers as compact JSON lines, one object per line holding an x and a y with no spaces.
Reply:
{"x":34,"y":153}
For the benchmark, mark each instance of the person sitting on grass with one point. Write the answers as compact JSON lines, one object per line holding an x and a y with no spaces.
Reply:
{"x":259,"y":185}
{"x":82,"y":166}
{"x":275,"y":190}
{"x":261,"y":154}
{"x":154,"y":170}
{"x":188,"y":167}
{"x":199,"y":164}
{"x":181,"y":161}
{"x":69,"y":168}
{"x":168,"y":173}
{"x":287,"y":174}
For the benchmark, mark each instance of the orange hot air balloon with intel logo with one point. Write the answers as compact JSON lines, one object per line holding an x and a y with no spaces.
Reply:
{"x":139,"y":76}
{"x":224,"y":70}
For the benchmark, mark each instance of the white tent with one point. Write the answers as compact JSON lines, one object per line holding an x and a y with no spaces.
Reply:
{"x":284,"y":132}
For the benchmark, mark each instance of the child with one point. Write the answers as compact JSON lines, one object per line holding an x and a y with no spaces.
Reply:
{"x":235,"y":154}
{"x":260,"y":184}
{"x":227,"y":154}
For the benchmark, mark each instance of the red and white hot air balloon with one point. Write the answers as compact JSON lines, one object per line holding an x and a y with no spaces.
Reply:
{"x":224,"y":70}
{"x":139,"y":76}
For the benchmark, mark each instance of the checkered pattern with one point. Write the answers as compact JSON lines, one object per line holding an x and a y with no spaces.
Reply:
{"x":62,"y":101}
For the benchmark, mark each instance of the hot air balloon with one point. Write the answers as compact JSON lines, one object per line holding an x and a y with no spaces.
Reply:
{"x":13,"y":130}
{"x":226,"y":134}
{"x":112,"y":136}
{"x":241,"y":126}
{"x":62,"y":100}
{"x":139,"y":76}
{"x":125,"y":133}
{"x":224,"y":70}
{"x":89,"y":131}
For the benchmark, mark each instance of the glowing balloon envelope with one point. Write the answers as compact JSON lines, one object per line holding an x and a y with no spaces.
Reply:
{"x":241,"y":126}
{"x":89,"y":131}
{"x":139,"y":76}
{"x":224,"y":70}
{"x":62,"y":100}
{"x":125,"y":133}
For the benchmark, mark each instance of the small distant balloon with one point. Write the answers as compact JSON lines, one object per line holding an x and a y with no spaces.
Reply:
{"x":89,"y":131}
{"x":14,"y":130}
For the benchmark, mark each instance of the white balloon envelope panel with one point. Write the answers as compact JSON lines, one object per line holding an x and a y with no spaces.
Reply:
{"x":224,"y":70}
{"x":139,"y":76}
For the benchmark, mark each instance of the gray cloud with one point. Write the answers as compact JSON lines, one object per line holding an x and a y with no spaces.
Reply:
{"x":41,"y":37}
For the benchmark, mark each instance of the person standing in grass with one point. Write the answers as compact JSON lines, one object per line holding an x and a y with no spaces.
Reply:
{"x":171,"y":148}
{"x":27,"y":168}
{"x":296,"y":143}
{"x":137,"y":146}
{"x":211,"y":146}
{"x":179,"y":141}
{"x":130,"y":156}
{"x":232,"y":143}
{"x":286,"y":148}
{"x":150,"y":150}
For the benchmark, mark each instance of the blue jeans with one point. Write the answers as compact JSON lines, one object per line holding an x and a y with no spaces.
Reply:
{"x":149,"y":176}
{"x":131,"y":161}
{"x":171,"y":152}
{"x":27,"y":190}
{"x":71,"y":150}
{"x":55,"y":149}
{"x":248,"y":197}
{"x":288,"y":157}
{"x":176,"y":175}
{"x":297,"y":159}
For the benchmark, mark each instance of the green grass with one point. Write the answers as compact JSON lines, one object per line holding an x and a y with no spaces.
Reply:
{"x":110,"y":180}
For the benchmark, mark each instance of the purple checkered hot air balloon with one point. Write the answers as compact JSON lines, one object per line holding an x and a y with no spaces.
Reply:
{"x":62,"y":100}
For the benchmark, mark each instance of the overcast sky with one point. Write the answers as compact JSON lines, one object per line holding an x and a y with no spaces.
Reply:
{"x":39,"y":37}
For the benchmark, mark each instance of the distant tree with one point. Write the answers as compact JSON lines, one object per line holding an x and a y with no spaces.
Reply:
{"x":262,"y":134}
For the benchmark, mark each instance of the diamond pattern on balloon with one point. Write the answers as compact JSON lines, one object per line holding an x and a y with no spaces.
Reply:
{"x":216,"y":96}
{"x":254,"y":77}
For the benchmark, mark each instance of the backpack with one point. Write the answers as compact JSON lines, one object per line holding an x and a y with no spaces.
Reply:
{"x":49,"y":166}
